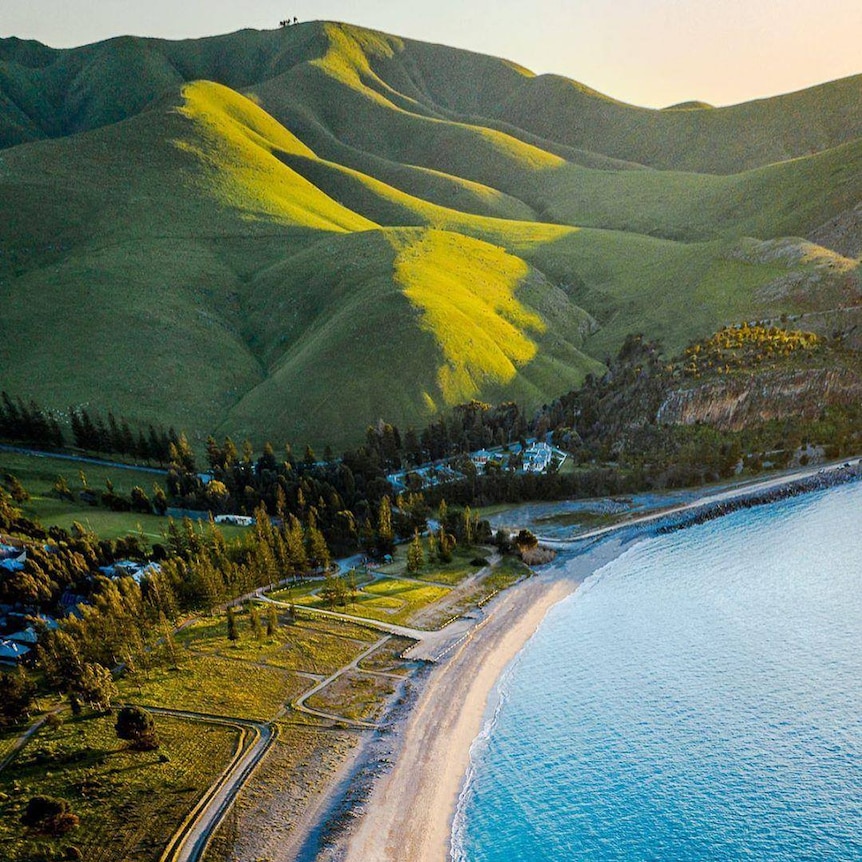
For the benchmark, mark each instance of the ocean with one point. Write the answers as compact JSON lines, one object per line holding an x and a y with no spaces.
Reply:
{"x":699,"y":698}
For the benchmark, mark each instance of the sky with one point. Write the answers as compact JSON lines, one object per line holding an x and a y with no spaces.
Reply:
{"x":648,"y":52}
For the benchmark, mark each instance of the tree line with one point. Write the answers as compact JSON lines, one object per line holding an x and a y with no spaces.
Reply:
{"x":31,"y":424}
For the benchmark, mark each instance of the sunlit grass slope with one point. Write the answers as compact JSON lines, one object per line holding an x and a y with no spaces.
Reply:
{"x":290,"y":234}
{"x":238,"y":141}
{"x":481,"y":328}
{"x":399,"y":324}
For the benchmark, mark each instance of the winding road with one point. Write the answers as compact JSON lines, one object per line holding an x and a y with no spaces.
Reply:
{"x":190,"y":841}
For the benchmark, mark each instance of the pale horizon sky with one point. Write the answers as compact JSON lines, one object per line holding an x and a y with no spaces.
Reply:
{"x":648,"y":52}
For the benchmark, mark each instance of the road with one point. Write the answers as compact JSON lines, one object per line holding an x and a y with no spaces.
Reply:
{"x":23,"y":739}
{"x":732,"y":493}
{"x":191,"y":840}
{"x":431,"y":645}
{"x":81,"y":459}
{"x":300,"y":703}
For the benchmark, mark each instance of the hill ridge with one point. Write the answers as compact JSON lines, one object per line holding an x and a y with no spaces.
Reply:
{"x":364,"y":226}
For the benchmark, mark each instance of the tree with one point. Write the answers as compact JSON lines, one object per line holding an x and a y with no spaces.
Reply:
{"x":96,"y":687}
{"x":526,"y":539}
{"x":254,"y":619}
{"x":17,"y":691}
{"x":415,"y":554}
{"x":160,"y":500}
{"x":334,"y":591}
{"x":49,"y":815}
{"x":60,"y":659}
{"x":295,"y":546}
{"x":140,"y":501}
{"x":61,"y":489}
{"x":445,"y":546}
{"x":318,"y":551}
{"x":271,"y":621}
{"x":232,"y":630}
{"x":385,"y":532}
{"x":137,"y":726}
{"x":16,"y":490}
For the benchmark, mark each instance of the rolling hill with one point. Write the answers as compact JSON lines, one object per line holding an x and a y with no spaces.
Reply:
{"x":288,"y":234}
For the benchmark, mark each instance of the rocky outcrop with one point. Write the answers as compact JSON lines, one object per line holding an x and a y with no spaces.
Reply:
{"x":733,"y":403}
{"x":843,"y":233}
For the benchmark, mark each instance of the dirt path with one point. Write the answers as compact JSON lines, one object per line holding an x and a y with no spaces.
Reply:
{"x":190,"y":841}
{"x":299,"y":704}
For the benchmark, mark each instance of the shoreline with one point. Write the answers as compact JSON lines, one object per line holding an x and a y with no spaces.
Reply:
{"x":715,"y":503}
{"x":410,"y":809}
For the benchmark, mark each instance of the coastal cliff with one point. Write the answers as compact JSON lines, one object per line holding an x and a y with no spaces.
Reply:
{"x":735,"y":403}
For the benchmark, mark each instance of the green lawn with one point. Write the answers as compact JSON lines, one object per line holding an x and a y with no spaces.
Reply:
{"x":216,"y":685}
{"x":38,"y":473}
{"x":387,"y":599}
{"x":129,"y":802}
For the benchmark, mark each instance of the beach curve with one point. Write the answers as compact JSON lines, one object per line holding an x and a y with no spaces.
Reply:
{"x":410,"y":810}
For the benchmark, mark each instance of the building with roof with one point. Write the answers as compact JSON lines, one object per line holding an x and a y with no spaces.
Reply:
{"x":12,"y":652}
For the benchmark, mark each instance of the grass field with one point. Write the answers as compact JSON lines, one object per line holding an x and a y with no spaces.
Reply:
{"x":386,"y":599}
{"x":354,"y":695}
{"x":387,"y":658}
{"x":318,"y":646}
{"x":128,"y":802}
{"x":216,"y":685}
{"x":355,"y":233}
{"x":38,"y":473}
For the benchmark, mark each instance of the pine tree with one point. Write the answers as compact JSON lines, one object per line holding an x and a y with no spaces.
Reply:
{"x":296,"y":547}
{"x":385,"y":532}
{"x":254,"y":621}
{"x":318,"y":551}
{"x":160,"y":500}
{"x":469,"y":526}
{"x":445,"y":546}
{"x":232,"y":630}
{"x":415,"y":555}
{"x":271,"y":621}
{"x":95,"y":687}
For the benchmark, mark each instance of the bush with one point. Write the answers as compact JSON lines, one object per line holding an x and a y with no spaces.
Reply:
{"x":137,"y":726}
{"x":50,"y":815}
{"x":526,"y":539}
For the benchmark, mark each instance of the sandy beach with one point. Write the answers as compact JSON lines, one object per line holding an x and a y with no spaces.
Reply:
{"x":410,"y":810}
{"x":409,"y":813}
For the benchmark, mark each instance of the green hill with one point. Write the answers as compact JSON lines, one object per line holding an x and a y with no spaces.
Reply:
{"x":288,"y":234}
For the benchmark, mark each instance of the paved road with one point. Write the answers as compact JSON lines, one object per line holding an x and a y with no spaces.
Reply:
{"x":81,"y":459}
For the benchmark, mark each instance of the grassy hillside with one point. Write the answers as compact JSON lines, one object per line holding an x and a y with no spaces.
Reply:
{"x":289,"y":234}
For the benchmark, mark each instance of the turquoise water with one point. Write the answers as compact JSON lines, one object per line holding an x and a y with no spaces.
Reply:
{"x":700,"y":698}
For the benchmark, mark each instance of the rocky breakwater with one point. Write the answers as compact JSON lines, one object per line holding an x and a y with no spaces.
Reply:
{"x":710,"y":511}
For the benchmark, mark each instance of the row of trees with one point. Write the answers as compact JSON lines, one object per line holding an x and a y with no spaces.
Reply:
{"x":31,"y":424}
{"x":109,"y":436}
